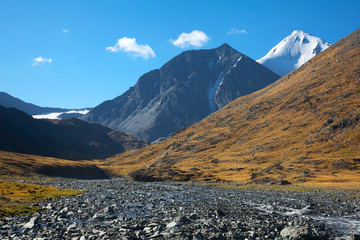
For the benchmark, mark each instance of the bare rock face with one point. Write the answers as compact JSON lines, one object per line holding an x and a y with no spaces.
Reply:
{"x":185,"y":90}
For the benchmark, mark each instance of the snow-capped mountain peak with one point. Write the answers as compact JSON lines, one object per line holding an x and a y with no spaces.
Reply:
{"x":292,"y":52}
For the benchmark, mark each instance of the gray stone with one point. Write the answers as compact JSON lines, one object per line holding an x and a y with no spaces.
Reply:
{"x":219,"y":213}
{"x":181,"y":219}
{"x":33,"y":221}
{"x":297,"y":231}
{"x":171,"y":224}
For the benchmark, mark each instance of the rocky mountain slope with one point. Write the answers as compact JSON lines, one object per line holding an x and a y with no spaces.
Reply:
{"x":69,"y":139}
{"x":292,"y":52}
{"x":185,"y":90}
{"x":304,"y":128}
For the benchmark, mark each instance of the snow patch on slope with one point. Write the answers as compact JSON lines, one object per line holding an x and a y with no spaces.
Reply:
{"x":212,"y":90}
{"x":292,"y":52}
{"x":238,"y":60}
{"x":56,"y":115}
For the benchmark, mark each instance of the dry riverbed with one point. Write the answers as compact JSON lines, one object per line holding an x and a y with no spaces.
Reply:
{"x":119,"y":209}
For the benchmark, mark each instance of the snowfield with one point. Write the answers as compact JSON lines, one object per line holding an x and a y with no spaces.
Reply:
{"x":292,"y":52}
{"x":56,"y":115}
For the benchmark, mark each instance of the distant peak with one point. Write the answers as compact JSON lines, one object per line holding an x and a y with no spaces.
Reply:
{"x":225,"y":45}
{"x":293,"y":51}
{"x":225,"y":48}
{"x":297,"y":32}
{"x":300,"y":33}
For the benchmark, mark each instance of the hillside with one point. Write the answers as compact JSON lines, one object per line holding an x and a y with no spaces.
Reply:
{"x":185,"y":90}
{"x":304,"y":128}
{"x":69,"y":139}
{"x":292,"y":52}
{"x":20,"y":165}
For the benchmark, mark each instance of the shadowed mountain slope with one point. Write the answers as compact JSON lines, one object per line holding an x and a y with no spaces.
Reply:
{"x":304,"y":128}
{"x":185,"y":90}
{"x":69,"y":139}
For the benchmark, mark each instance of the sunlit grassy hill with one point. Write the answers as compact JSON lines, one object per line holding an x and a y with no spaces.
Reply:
{"x":20,"y":165}
{"x":304,"y":128}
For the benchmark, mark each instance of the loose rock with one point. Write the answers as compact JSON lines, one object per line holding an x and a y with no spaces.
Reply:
{"x":119,"y":209}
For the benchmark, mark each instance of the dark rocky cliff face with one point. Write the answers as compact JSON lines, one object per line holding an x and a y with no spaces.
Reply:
{"x":185,"y":90}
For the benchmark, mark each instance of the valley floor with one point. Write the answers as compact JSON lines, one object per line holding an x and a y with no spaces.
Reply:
{"x":119,"y":209}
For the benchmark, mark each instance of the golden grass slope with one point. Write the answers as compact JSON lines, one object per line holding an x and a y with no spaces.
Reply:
{"x":304,"y":128}
{"x":15,"y":197}
{"x":20,"y":165}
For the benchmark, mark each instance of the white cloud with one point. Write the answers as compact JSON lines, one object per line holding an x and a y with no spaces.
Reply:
{"x":41,"y":60}
{"x":236,"y":31}
{"x":65,"y":30}
{"x":130,"y":46}
{"x":194,"y":39}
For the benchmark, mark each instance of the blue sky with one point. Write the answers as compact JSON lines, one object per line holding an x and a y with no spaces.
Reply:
{"x":79,"y":53}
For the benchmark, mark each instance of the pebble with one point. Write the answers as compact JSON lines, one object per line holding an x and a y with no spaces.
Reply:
{"x":171,"y":225}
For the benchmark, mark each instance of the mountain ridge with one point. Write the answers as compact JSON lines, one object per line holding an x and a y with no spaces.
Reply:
{"x":186,"y":89}
{"x":8,"y":101}
{"x":301,"y":129}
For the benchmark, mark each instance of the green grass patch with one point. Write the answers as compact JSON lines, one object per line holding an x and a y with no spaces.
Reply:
{"x":16,"y":210}
{"x":17,"y":198}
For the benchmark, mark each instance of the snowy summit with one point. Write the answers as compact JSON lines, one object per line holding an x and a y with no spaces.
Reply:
{"x":292,"y":52}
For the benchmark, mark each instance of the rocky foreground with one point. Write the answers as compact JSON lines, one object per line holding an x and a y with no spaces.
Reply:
{"x":118,"y":209}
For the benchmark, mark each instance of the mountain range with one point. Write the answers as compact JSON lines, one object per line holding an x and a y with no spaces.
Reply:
{"x":188,"y":88}
{"x":185,"y":90}
{"x":303,"y":128}
{"x":300,"y":128}
{"x":6,"y":100}
{"x":68,"y":139}
{"x":292,"y":52}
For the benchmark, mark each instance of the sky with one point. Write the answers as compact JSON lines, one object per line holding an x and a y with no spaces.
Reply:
{"x":79,"y":53}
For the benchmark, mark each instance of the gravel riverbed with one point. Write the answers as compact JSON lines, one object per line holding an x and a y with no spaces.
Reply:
{"x":119,"y":209}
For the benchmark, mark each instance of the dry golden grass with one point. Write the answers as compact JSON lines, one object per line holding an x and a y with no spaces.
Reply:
{"x":15,"y":197}
{"x":304,"y":128}
{"x":19,"y":165}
